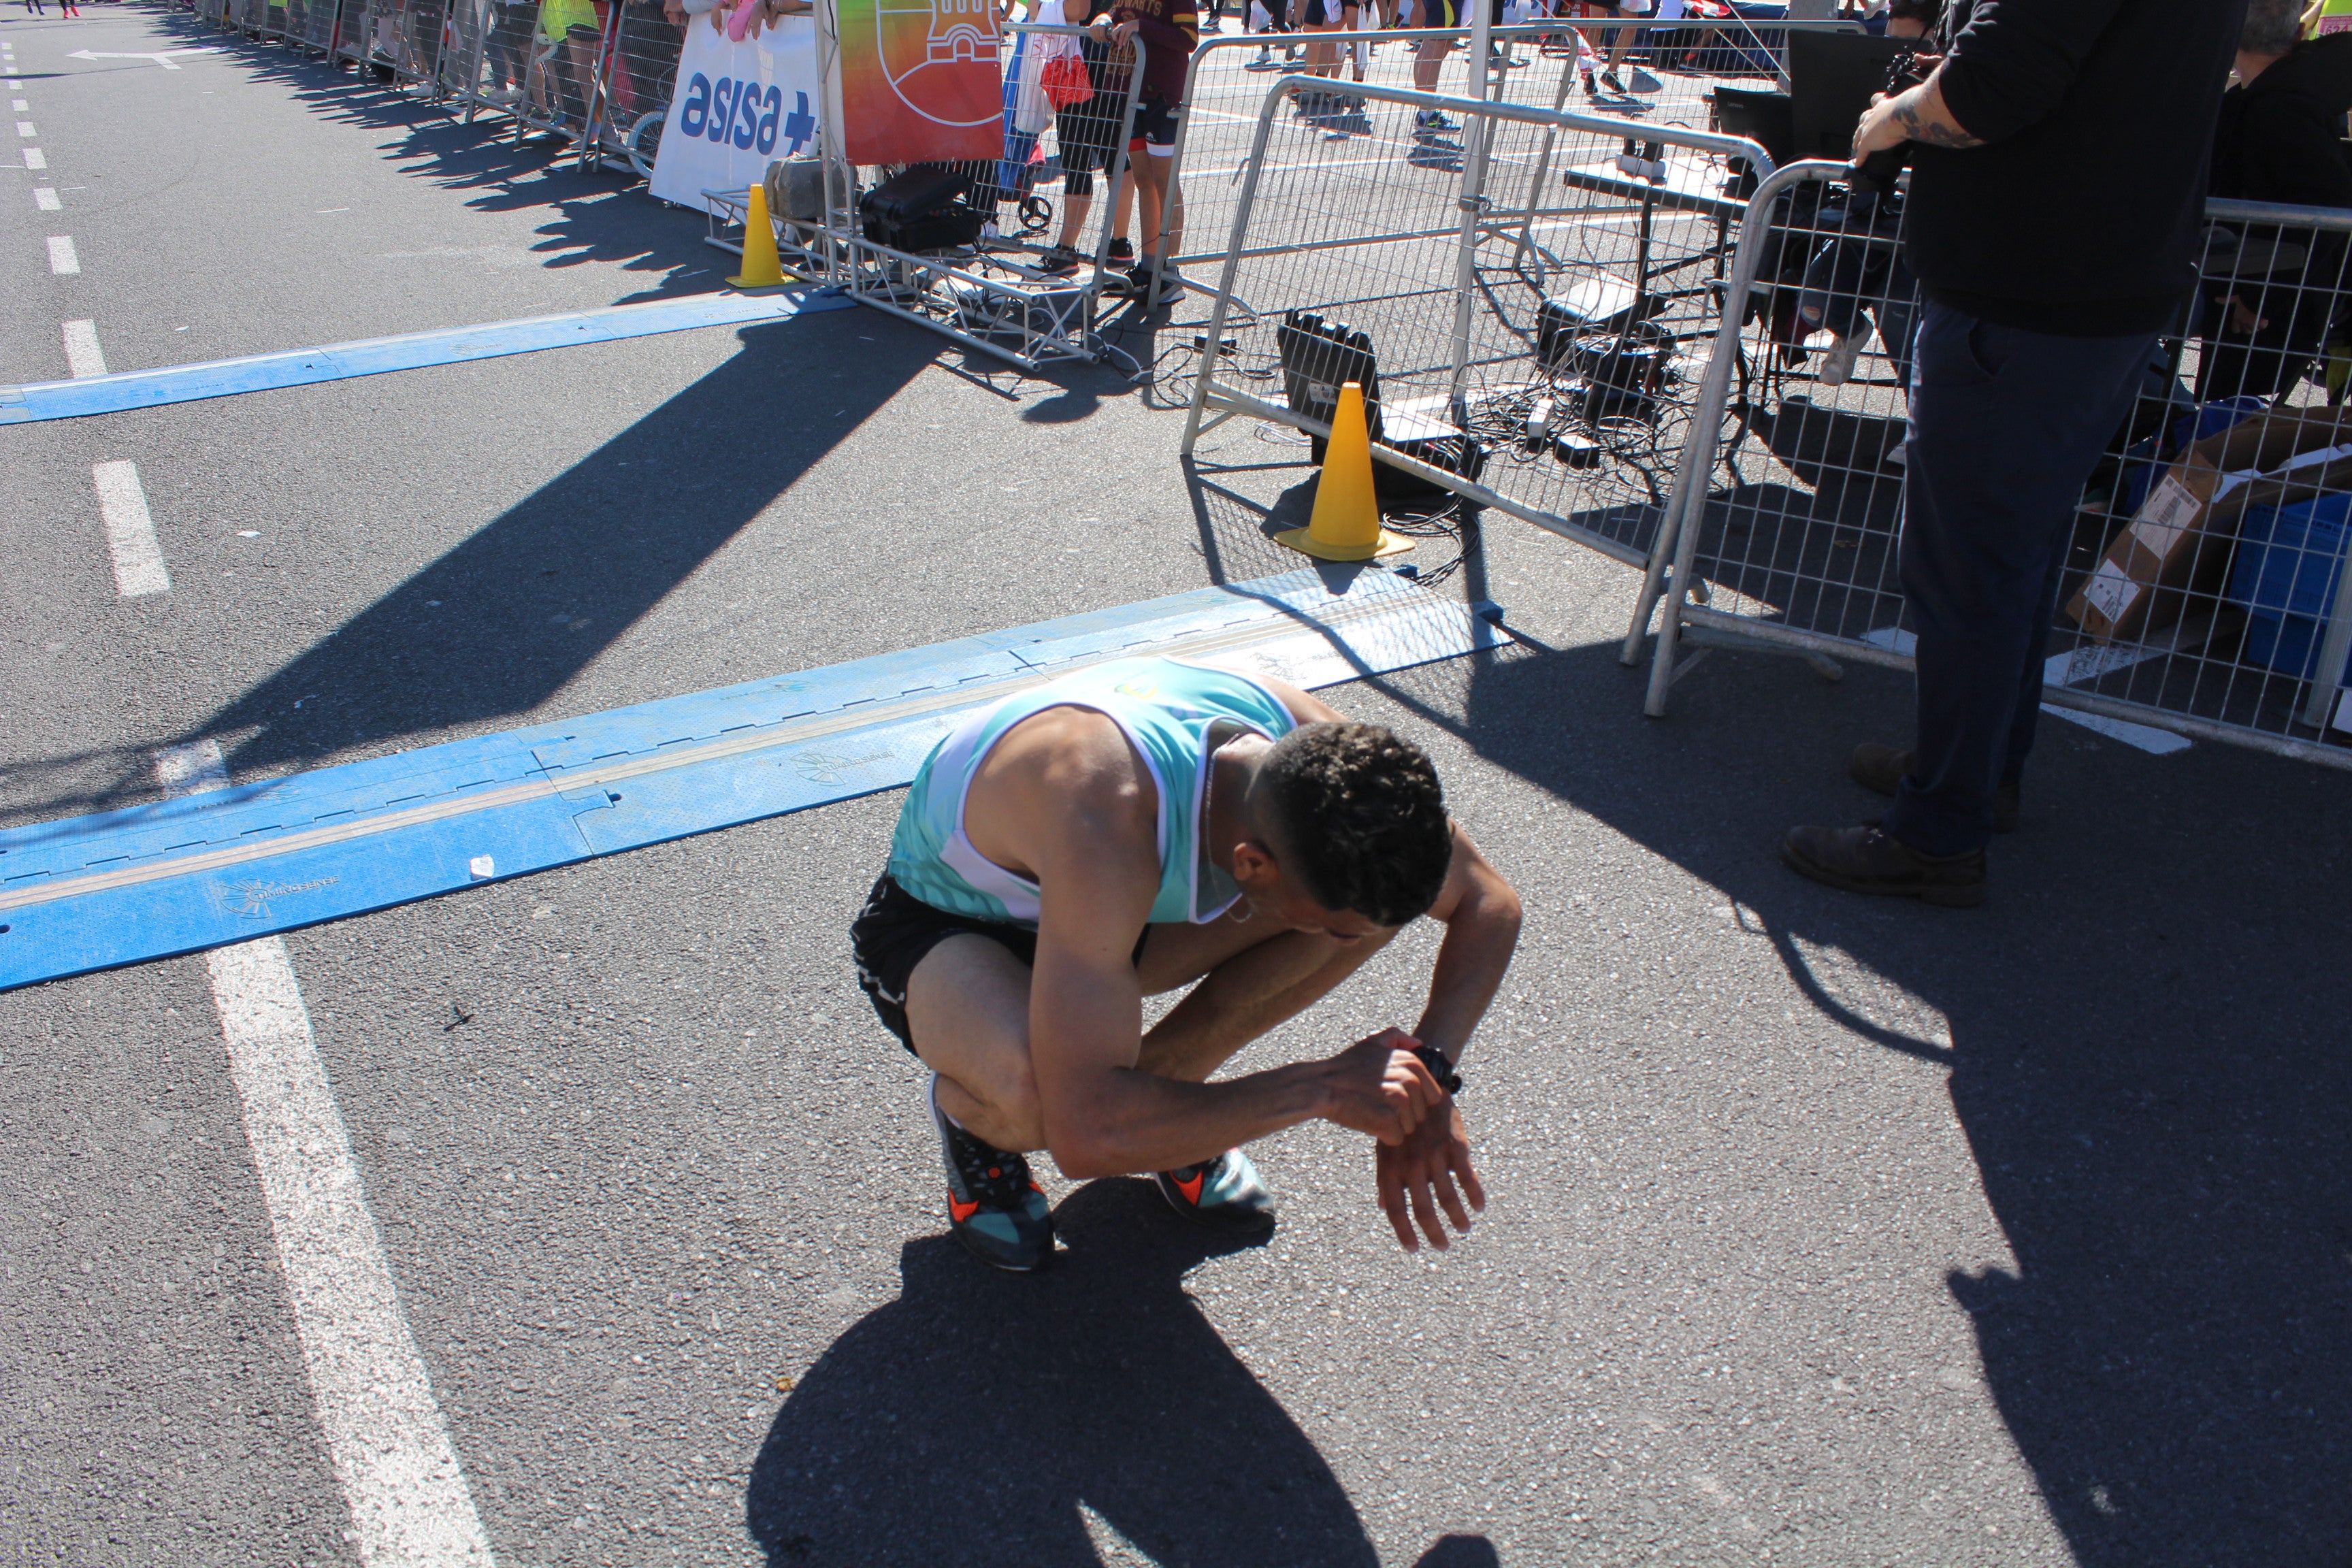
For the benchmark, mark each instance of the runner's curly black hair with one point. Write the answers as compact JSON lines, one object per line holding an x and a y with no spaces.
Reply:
{"x":1360,"y":817}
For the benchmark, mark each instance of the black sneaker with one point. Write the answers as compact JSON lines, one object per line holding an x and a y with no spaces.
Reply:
{"x":1867,"y":859}
{"x":1226,"y":1193}
{"x":1060,"y":261}
{"x":1883,"y":769}
{"x":1138,"y":282}
{"x":1120,"y":254}
{"x":995,"y":1207}
{"x":1608,"y":80}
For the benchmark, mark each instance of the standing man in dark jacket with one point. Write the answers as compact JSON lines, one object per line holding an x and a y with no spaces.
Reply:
{"x":2057,"y":185}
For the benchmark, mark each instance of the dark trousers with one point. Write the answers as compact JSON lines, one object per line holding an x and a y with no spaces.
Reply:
{"x":2005,"y":426}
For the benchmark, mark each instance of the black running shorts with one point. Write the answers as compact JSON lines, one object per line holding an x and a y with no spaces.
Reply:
{"x":897,"y":930}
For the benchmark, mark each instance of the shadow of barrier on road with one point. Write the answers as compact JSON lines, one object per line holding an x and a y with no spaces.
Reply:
{"x":2146,"y":1054}
{"x":974,"y":1418}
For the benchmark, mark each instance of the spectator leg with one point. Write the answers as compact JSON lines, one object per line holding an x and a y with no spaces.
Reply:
{"x":2006,"y":426}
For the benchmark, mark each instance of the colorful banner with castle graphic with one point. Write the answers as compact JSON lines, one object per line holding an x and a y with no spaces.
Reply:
{"x":921,"y":81}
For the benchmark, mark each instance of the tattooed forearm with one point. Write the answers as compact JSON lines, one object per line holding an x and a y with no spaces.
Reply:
{"x":1924,"y":118}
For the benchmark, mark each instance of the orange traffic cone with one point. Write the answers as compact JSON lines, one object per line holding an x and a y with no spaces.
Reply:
{"x":1346,"y":522}
{"x":762,"y":270}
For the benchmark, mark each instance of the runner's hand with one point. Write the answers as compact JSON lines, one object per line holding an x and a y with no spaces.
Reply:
{"x":1377,"y":1086}
{"x":1417,"y":1178}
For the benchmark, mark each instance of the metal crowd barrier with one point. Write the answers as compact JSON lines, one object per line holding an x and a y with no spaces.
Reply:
{"x":2191,"y":601}
{"x":1575,"y":376}
{"x":1534,"y":64}
{"x":636,"y":79}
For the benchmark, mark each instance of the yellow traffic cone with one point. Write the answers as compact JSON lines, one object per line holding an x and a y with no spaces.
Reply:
{"x":1346,"y":522}
{"x":761,"y":267}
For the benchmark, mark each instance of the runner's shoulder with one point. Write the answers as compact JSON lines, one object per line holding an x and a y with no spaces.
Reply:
{"x":1069,"y":775}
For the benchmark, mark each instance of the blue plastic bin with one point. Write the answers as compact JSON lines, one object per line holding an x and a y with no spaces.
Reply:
{"x":2284,"y":576}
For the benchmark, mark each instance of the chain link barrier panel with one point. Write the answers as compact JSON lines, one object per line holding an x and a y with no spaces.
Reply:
{"x":1565,"y":344}
{"x":2202,"y":579}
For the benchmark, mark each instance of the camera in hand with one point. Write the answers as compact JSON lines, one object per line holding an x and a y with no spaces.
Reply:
{"x":1876,"y":173}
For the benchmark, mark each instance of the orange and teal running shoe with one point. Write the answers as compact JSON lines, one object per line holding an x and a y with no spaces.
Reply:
{"x":1225,"y":1193}
{"x":994,"y":1207}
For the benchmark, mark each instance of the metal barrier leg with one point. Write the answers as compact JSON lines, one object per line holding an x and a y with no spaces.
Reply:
{"x":1218,"y":306}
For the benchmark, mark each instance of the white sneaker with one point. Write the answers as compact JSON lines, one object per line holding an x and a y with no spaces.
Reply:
{"x":1837,"y":364}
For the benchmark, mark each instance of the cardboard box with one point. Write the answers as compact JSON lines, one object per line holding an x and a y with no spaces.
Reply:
{"x":2177,"y":549}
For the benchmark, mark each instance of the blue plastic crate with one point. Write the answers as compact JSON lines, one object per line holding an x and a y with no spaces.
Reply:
{"x":2284,"y":576}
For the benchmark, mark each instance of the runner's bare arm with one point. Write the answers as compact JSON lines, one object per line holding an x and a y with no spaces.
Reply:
{"x":1429,"y":1172}
{"x":1098,"y":865}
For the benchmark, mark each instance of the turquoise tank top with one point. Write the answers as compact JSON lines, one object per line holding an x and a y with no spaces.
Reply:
{"x":1174,"y":715}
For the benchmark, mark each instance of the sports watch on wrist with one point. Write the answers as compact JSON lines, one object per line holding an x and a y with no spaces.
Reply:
{"x":1439,"y":1068}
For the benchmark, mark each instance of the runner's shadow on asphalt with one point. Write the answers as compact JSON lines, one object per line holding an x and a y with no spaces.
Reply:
{"x":970,"y":1420}
{"x":2144,"y":1033}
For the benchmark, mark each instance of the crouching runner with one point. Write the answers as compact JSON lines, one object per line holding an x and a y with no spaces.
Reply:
{"x":1140,"y":826}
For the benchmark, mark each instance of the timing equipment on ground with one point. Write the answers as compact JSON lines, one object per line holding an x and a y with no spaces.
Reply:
{"x":1321,"y":356}
{"x":1601,"y":303}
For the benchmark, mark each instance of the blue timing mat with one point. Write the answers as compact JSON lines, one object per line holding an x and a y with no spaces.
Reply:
{"x":243,"y":862}
{"x":415,"y":351}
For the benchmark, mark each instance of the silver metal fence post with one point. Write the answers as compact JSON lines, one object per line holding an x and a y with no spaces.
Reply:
{"x":1472,"y":199}
{"x":1232,"y":260}
{"x":1679,"y":531}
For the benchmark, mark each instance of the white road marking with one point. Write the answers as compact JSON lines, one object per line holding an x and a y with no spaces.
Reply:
{"x":192,"y":768}
{"x":162,"y":58}
{"x":391,"y":1452}
{"x":24,"y":129}
{"x":45,"y":199}
{"x":130,"y":532}
{"x":35,"y":159}
{"x":62,"y":259}
{"x":19,"y":105}
{"x":83,"y":356}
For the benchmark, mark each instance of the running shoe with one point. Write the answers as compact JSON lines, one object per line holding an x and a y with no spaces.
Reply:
{"x":1434,"y":122}
{"x":1060,"y":261}
{"x":994,"y":1207}
{"x":1120,"y":254}
{"x":1226,"y":1193}
{"x":1608,"y":80}
{"x":1589,"y":90}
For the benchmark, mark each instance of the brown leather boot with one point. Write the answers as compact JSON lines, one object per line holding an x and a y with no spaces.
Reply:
{"x":1865,"y":861}
{"x":1881,"y":768}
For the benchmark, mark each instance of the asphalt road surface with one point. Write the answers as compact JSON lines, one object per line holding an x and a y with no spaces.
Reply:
{"x":1822,"y":1232}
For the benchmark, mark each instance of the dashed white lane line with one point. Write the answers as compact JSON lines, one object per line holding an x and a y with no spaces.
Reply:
{"x":391,"y":1453}
{"x":83,"y":356}
{"x":130,"y":532}
{"x":44,"y":197}
{"x":24,"y":129}
{"x":62,"y":259}
{"x":19,"y":105}
{"x":34,"y":159}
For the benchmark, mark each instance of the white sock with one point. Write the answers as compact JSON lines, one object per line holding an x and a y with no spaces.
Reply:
{"x":941,"y":1111}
